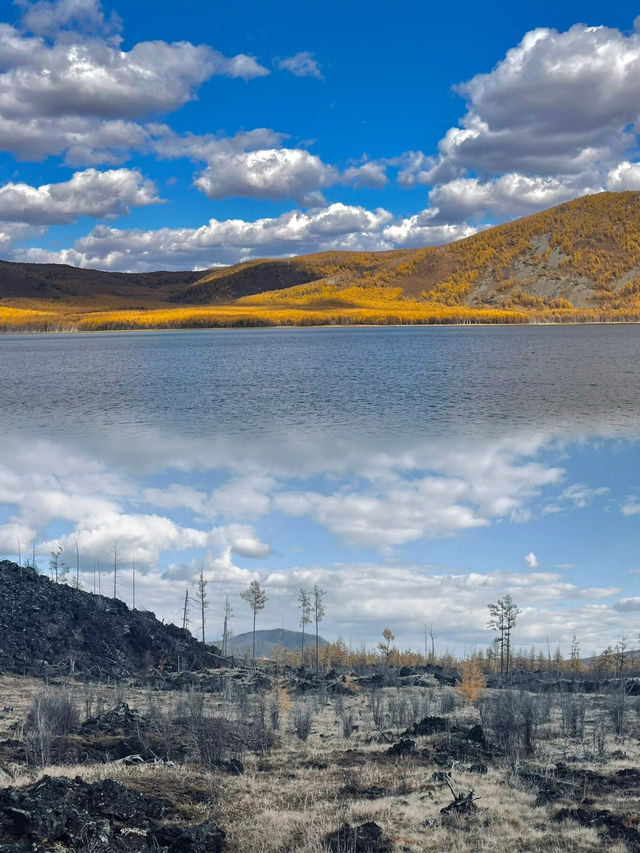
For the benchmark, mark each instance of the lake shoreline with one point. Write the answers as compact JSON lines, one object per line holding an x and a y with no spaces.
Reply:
{"x":283,"y":326}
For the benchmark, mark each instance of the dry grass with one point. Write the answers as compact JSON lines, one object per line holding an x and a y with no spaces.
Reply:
{"x":293,"y":806}
{"x":291,"y":798}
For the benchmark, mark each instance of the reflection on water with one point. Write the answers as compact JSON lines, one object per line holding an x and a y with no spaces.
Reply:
{"x":370,"y":383}
{"x":419,"y":466}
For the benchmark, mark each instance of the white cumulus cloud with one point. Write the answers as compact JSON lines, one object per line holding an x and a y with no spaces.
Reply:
{"x":47,"y":18}
{"x":87,"y":193}
{"x":81,"y":95}
{"x":556,"y":103}
{"x":219,"y":242}
{"x":556,"y":118}
{"x":273,"y":173}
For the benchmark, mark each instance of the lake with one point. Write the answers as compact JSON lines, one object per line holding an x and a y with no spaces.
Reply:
{"x":415,"y":473}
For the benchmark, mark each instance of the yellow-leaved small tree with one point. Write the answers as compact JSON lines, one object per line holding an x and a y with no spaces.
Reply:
{"x":471,"y":683}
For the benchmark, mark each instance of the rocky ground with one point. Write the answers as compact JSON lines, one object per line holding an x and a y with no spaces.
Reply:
{"x":49,"y":629}
{"x":404,"y":768}
{"x":70,"y":814}
{"x":118,"y":733}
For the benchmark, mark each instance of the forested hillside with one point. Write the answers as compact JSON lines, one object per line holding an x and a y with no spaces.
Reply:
{"x":576,"y":262}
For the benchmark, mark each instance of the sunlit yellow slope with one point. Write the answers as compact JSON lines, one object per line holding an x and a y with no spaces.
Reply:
{"x":576,"y":262}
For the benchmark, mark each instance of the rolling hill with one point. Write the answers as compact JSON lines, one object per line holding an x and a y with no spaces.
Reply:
{"x":579,"y":261}
{"x":269,"y":639}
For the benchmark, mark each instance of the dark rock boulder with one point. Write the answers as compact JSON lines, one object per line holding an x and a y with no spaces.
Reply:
{"x":428,"y":726}
{"x":72,"y":813}
{"x":476,"y":734}
{"x":365,"y":838}
{"x":404,"y":747}
{"x":104,"y":817}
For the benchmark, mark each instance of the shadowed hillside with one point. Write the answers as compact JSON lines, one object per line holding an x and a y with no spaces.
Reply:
{"x":576,"y":262}
{"x":60,"y":281}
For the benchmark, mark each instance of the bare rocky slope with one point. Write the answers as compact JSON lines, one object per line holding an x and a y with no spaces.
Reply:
{"x":49,"y":628}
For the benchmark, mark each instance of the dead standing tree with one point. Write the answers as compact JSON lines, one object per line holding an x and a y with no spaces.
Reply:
{"x":114,"y":553}
{"x":201,"y":598}
{"x":304,"y":603}
{"x":226,"y":631}
{"x":185,"y":611}
{"x":318,"y":614}
{"x":256,"y":598}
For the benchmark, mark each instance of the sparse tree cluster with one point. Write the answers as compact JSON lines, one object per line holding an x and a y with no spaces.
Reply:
{"x":502,"y":619}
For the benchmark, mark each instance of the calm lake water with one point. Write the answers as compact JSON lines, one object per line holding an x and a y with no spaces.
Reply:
{"x":368,"y":382}
{"x":415,"y":473}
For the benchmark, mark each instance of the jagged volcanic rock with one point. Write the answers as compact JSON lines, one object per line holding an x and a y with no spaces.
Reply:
{"x":95,"y":818}
{"x":48,"y":628}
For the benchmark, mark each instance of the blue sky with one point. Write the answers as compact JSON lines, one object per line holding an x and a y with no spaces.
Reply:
{"x":135,"y":138}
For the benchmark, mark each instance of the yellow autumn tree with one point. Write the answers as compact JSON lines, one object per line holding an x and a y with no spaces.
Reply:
{"x":471,"y":683}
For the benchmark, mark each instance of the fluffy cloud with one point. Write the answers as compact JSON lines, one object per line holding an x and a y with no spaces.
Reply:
{"x":92,"y":78}
{"x":631,"y":506}
{"x":294,"y":232}
{"x":301,"y":65}
{"x":136,"y":536}
{"x":405,"y":514}
{"x":582,"y":496}
{"x":449,"y":492}
{"x":625,"y":176}
{"x":249,"y":547}
{"x":205,"y":147}
{"x":12,"y":233}
{"x":87,"y":193}
{"x":628,"y":605}
{"x":529,"y":114}
{"x":334,"y":226}
{"x":420,"y":230}
{"x":50,"y":486}
{"x":81,"y":94}
{"x":274,"y":173}
{"x":512,"y":194}
{"x":531,"y":561}
{"x":370,"y":175}
{"x":46,"y":18}
{"x":553,"y":120}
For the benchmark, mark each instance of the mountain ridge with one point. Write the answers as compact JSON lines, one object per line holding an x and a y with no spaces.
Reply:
{"x":577,"y":261}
